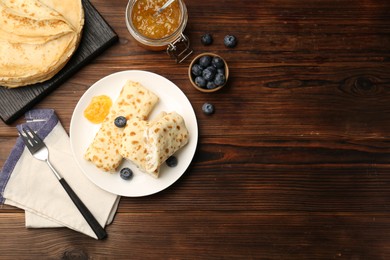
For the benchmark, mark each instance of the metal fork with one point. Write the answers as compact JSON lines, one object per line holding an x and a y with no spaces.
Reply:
{"x":39,"y":150}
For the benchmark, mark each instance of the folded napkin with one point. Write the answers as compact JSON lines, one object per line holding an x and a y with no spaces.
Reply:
{"x":29,"y":184}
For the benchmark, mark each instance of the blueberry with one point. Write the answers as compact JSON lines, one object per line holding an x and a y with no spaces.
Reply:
{"x":209,"y":73}
{"x":126,"y":173}
{"x":171,"y":161}
{"x":120,"y":121}
{"x":230,"y":41}
{"x":221,"y":70}
{"x":205,"y":61}
{"x":219,"y":79}
{"x":211,"y":85}
{"x":206,"y":39}
{"x":218,"y":62}
{"x":212,"y":69}
{"x":196,"y":70}
{"x":208,"y":108}
{"x":200,"y":82}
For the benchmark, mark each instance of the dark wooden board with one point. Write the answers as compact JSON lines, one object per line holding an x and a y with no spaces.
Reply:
{"x":97,"y":36}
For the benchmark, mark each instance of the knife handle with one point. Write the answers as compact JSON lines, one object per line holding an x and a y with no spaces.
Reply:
{"x":96,"y":227}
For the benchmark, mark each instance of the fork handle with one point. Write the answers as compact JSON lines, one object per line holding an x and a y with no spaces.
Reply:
{"x":96,"y":227}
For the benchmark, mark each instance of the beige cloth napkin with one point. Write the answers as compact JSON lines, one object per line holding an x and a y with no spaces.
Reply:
{"x":29,"y":184}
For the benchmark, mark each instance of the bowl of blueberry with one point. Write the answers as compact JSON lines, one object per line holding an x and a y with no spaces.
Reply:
{"x":208,"y":72}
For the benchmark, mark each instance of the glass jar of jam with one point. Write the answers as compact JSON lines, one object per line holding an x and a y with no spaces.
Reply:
{"x":159,"y":31}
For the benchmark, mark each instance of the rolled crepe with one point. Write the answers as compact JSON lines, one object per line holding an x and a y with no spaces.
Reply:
{"x":133,"y":146}
{"x":134,"y":101}
{"x":163,"y":138}
{"x":149,"y":144}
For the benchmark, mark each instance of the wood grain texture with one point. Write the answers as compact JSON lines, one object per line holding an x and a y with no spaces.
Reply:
{"x":294,"y":164}
{"x":182,"y":236}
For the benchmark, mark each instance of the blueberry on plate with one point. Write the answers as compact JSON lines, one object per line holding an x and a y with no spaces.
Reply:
{"x":120,"y":121}
{"x":126,"y":173}
{"x":208,"y":108}
{"x":171,"y":161}
{"x":206,"y":39}
{"x":230,"y":41}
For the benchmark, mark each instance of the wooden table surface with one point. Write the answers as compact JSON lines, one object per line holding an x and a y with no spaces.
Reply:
{"x":295,"y":162}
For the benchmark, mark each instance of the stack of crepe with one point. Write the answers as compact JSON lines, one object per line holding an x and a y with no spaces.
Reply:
{"x":37,"y":39}
{"x":145,"y":143}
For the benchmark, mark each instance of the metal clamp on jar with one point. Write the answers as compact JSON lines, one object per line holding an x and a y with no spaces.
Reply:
{"x":159,"y":31}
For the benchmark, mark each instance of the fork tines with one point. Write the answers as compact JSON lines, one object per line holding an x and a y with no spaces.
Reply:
{"x":31,"y":139}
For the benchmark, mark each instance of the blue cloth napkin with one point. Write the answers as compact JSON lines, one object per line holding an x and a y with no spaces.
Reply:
{"x":29,"y":184}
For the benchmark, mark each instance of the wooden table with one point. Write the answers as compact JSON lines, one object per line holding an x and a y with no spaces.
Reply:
{"x":295,"y":161}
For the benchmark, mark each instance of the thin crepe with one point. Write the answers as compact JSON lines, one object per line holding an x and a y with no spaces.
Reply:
{"x":163,"y":138}
{"x":133,"y":146}
{"x":148,"y":144}
{"x":37,"y":39}
{"x":134,"y":101}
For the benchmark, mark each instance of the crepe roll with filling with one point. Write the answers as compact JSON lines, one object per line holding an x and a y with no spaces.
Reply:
{"x":163,"y":138}
{"x":134,"y":101}
{"x":133,"y":146}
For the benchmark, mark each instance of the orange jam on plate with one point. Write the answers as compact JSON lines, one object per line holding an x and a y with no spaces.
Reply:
{"x":98,"y":109}
{"x":156,"y":26}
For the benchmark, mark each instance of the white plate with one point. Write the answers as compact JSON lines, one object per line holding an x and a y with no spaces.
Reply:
{"x":82,"y":133}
